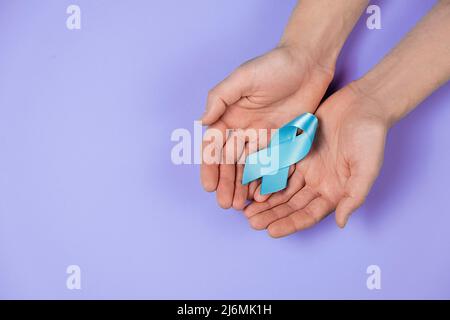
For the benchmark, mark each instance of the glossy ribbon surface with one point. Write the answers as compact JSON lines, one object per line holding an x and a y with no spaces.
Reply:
{"x":286,"y":148}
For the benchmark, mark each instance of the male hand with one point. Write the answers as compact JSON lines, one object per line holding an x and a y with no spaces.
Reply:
{"x":263,"y":93}
{"x":337,"y":174}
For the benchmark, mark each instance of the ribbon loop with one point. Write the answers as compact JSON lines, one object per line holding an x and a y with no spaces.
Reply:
{"x":285,"y":149}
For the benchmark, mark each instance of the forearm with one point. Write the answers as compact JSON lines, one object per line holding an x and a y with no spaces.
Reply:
{"x":414,"y":69}
{"x":321,"y":27}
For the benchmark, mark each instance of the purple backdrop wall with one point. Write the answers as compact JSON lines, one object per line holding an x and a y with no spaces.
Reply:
{"x":86,"y":176}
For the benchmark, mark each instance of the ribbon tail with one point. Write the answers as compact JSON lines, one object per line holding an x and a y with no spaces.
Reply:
{"x":275,"y":182}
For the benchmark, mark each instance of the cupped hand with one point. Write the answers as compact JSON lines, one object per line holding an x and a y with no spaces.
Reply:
{"x":337,"y":174}
{"x":263,"y":93}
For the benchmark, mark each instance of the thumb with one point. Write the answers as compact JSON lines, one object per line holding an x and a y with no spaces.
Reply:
{"x":226,"y":93}
{"x":356,"y":190}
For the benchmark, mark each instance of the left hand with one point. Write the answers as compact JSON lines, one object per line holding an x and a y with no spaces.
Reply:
{"x":263,"y":93}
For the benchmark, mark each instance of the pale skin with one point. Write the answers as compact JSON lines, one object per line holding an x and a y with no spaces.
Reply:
{"x":347,"y":156}
{"x":270,"y":90}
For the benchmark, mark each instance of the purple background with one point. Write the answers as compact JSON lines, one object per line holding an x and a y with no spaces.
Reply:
{"x":86,"y":176}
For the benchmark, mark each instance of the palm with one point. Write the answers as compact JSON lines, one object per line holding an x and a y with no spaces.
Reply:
{"x":274,"y":89}
{"x":346,"y":157}
{"x":279,"y":87}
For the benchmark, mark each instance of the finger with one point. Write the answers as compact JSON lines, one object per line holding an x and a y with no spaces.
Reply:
{"x":295,"y":183}
{"x":213,"y":142}
{"x":252,"y":147}
{"x":364,"y":169}
{"x":301,"y":219}
{"x":226,"y":93}
{"x":240,"y":190}
{"x":227,"y":175}
{"x":258,"y":197}
{"x":263,"y":197}
{"x":225,"y":187}
{"x":236,"y":147}
{"x":265,"y":218}
{"x":251,"y":189}
{"x":262,"y":220}
{"x":356,"y":190}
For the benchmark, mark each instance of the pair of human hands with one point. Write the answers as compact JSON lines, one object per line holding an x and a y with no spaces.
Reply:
{"x":337,"y":174}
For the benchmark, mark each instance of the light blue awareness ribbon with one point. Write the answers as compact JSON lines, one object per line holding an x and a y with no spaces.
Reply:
{"x":285,"y":149}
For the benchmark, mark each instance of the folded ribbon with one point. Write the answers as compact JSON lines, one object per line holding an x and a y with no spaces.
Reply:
{"x":285,"y":149}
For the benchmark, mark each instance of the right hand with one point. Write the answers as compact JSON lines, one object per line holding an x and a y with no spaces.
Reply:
{"x":337,"y":174}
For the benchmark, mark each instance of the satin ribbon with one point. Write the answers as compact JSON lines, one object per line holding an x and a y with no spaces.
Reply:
{"x":285,"y":149}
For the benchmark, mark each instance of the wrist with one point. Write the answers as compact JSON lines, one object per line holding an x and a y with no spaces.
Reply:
{"x":315,"y":78}
{"x":321,"y":57}
{"x":319,"y":29}
{"x":375,"y":101}
{"x":413,"y":69}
